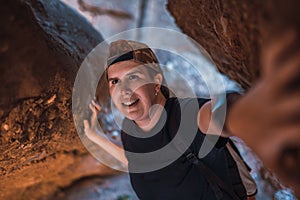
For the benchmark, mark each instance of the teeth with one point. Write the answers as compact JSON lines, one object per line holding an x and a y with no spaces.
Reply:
{"x":129,"y":103}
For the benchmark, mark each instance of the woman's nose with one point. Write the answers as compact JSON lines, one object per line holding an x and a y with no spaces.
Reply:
{"x":125,"y":89}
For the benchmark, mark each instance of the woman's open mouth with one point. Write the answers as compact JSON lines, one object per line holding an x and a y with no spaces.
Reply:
{"x":130,"y":103}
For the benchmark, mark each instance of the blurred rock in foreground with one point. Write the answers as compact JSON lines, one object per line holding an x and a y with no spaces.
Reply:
{"x":42,"y":44}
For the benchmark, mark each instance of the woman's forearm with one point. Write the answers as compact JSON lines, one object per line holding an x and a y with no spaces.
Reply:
{"x":110,"y":147}
{"x":205,"y":121}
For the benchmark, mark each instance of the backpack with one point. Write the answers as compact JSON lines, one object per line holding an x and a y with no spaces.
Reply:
{"x":216,"y":183}
{"x":219,"y":187}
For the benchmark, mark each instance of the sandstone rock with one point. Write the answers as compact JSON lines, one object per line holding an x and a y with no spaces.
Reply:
{"x":234,"y":31}
{"x":42,"y":44}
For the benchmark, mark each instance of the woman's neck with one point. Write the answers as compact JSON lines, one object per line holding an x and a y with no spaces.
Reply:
{"x":154,"y":114}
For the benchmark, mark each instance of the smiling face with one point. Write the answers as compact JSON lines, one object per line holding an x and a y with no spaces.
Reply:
{"x":133,"y":90}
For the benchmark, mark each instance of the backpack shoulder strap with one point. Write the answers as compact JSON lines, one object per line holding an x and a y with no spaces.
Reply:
{"x":215,"y":182}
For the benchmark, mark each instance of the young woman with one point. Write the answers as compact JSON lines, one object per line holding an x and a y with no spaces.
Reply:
{"x":152,"y":119}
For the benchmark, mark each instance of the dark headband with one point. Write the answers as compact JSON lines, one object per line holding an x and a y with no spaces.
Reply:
{"x":124,"y":57}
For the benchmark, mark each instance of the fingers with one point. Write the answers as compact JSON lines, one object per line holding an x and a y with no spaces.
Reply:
{"x":288,"y":107}
{"x":290,"y":73}
{"x":287,"y":141}
{"x":289,"y":155}
{"x":94,"y":115}
{"x":290,"y":160}
{"x":97,"y":106}
{"x":274,"y":52}
{"x":92,"y":108}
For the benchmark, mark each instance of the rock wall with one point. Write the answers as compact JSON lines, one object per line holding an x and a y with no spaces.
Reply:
{"x":39,"y":39}
{"x":234,"y":31}
{"x":42,"y":44}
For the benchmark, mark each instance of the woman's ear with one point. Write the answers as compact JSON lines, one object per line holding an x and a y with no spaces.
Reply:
{"x":158,"y":78}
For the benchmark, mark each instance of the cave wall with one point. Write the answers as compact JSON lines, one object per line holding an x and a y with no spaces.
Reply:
{"x":42,"y":44}
{"x":39,"y":39}
{"x":234,"y":31}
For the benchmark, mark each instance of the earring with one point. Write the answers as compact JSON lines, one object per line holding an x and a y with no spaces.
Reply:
{"x":156,"y":91}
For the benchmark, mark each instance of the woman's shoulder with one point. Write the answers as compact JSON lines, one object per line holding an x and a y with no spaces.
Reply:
{"x":185,"y":110}
{"x":183,"y":103}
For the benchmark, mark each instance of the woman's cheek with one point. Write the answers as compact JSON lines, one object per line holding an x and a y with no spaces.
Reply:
{"x":135,"y":86}
{"x":114,"y":94}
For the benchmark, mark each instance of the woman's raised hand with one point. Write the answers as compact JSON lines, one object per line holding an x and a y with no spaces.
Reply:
{"x":90,"y":129}
{"x":98,"y":137}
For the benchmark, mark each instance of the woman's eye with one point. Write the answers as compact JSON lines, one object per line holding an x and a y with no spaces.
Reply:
{"x":133,"y":77}
{"x":115,"y":81}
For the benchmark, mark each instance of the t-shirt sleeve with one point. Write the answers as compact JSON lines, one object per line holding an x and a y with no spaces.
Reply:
{"x":221,"y":140}
{"x":190,"y":111}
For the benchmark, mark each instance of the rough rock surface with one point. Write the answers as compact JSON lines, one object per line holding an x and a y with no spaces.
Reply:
{"x":42,"y":44}
{"x":28,"y":29}
{"x":233,"y":31}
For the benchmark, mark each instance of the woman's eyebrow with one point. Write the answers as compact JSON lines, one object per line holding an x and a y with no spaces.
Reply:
{"x":134,"y":72}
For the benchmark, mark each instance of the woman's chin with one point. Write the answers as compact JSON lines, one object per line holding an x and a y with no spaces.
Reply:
{"x":133,"y":114}
{"x":133,"y":117}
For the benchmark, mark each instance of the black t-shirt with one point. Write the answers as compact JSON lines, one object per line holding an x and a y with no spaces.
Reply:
{"x":180,"y":179}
